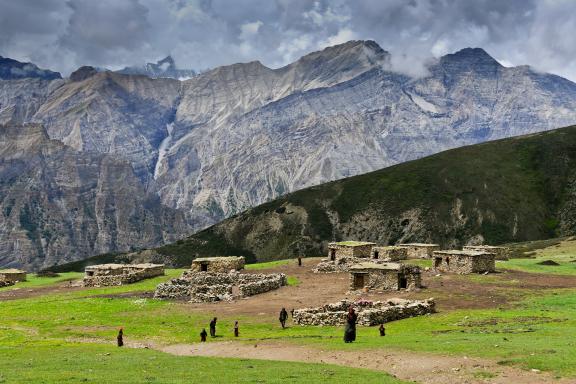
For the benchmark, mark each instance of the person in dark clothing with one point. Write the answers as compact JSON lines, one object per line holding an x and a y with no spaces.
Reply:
{"x":382,"y":330}
{"x":213,"y":327}
{"x":283,"y":317}
{"x":299,"y":261}
{"x":350,"y":330}
{"x":120,"y":337}
{"x":203,"y":335}
{"x":236,"y":329}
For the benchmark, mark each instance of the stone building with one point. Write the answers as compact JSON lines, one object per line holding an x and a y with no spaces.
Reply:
{"x":369,"y":313}
{"x":11,"y":276}
{"x":347,"y":249}
{"x":389,"y":253}
{"x":501,"y":253}
{"x":103,"y":275}
{"x":420,"y":250}
{"x":222,"y":264}
{"x":464,"y":262}
{"x":382,"y":277}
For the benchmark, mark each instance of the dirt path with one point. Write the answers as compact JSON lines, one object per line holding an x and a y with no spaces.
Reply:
{"x":411,"y":366}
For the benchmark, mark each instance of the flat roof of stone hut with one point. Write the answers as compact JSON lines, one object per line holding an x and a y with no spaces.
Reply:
{"x":419,"y":245}
{"x":352,"y":243}
{"x":465,"y":253}
{"x":376,"y":266}
{"x":112,"y":266}
{"x":216,"y":258}
{"x":11,"y":271}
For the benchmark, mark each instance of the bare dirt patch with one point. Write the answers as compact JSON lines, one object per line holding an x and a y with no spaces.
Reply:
{"x":26,"y":293}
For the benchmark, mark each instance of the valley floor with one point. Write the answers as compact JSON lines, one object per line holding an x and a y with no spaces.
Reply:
{"x":515,"y":326}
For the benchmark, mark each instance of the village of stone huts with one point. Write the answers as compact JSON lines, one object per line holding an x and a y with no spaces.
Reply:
{"x":370,"y":268}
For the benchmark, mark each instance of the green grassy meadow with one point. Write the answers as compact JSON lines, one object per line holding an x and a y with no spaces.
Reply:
{"x":69,"y":336}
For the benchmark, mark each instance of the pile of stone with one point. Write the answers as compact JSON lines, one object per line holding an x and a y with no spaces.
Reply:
{"x":369,"y":313}
{"x":107,"y":275}
{"x":201,"y":287}
{"x":5,"y":283}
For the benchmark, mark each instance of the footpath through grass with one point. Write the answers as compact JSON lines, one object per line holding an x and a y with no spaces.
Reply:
{"x":93,"y":363}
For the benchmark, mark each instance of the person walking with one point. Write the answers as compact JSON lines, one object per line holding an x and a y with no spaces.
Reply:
{"x":236,"y":329}
{"x":283,"y":317}
{"x":120,"y":337}
{"x":350,"y":330}
{"x":203,"y":335}
{"x":213,"y":327}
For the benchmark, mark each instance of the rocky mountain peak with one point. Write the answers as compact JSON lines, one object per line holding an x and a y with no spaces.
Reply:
{"x":469,"y":59}
{"x":165,"y":67}
{"x":83,"y":73}
{"x":11,"y":69}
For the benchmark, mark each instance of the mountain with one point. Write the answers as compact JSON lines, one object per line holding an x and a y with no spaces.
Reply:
{"x":237,"y":136}
{"x":12,"y":69}
{"x":58,"y":204}
{"x":510,"y":190}
{"x":163,"y":68}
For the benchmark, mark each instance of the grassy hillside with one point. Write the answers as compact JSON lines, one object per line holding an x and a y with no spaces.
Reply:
{"x":510,"y":190}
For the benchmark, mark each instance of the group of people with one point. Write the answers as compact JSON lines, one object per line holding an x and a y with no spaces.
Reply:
{"x":349,"y":330}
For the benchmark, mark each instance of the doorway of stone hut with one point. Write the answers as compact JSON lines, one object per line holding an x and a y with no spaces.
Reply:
{"x":437,"y":262}
{"x":375,"y":254}
{"x":359,"y":280}
{"x":402,"y":282}
{"x":204,"y":267}
{"x":332,"y":254}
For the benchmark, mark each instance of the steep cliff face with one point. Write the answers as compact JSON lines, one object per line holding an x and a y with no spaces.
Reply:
{"x":236,"y":136}
{"x":58,"y":205}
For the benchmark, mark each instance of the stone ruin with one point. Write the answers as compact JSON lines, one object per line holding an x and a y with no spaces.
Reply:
{"x":105,"y":275}
{"x":464,"y":262}
{"x":218,"y":264}
{"x":369,"y":276}
{"x":369,"y":313}
{"x":11,"y":276}
{"x":200,"y":287}
{"x":420,"y":250}
{"x":501,"y":253}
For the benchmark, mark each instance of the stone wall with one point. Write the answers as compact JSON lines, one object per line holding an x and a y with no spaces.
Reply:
{"x":341,"y":265}
{"x":223,"y":264}
{"x":420,"y":251}
{"x":390,"y":253}
{"x":262,"y":284}
{"x":131,"y":275}
{"x":369,"y":313}
{"x":464,"y":262}
{"x":211,"y":287}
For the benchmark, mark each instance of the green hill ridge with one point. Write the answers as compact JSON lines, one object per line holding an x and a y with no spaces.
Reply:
{"x":510,"y":190}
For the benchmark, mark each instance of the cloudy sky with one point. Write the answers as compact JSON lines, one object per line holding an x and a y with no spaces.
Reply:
{"x":199,"y":34}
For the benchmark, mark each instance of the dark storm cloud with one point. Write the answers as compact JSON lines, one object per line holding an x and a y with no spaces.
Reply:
{"x":63,"y":34}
